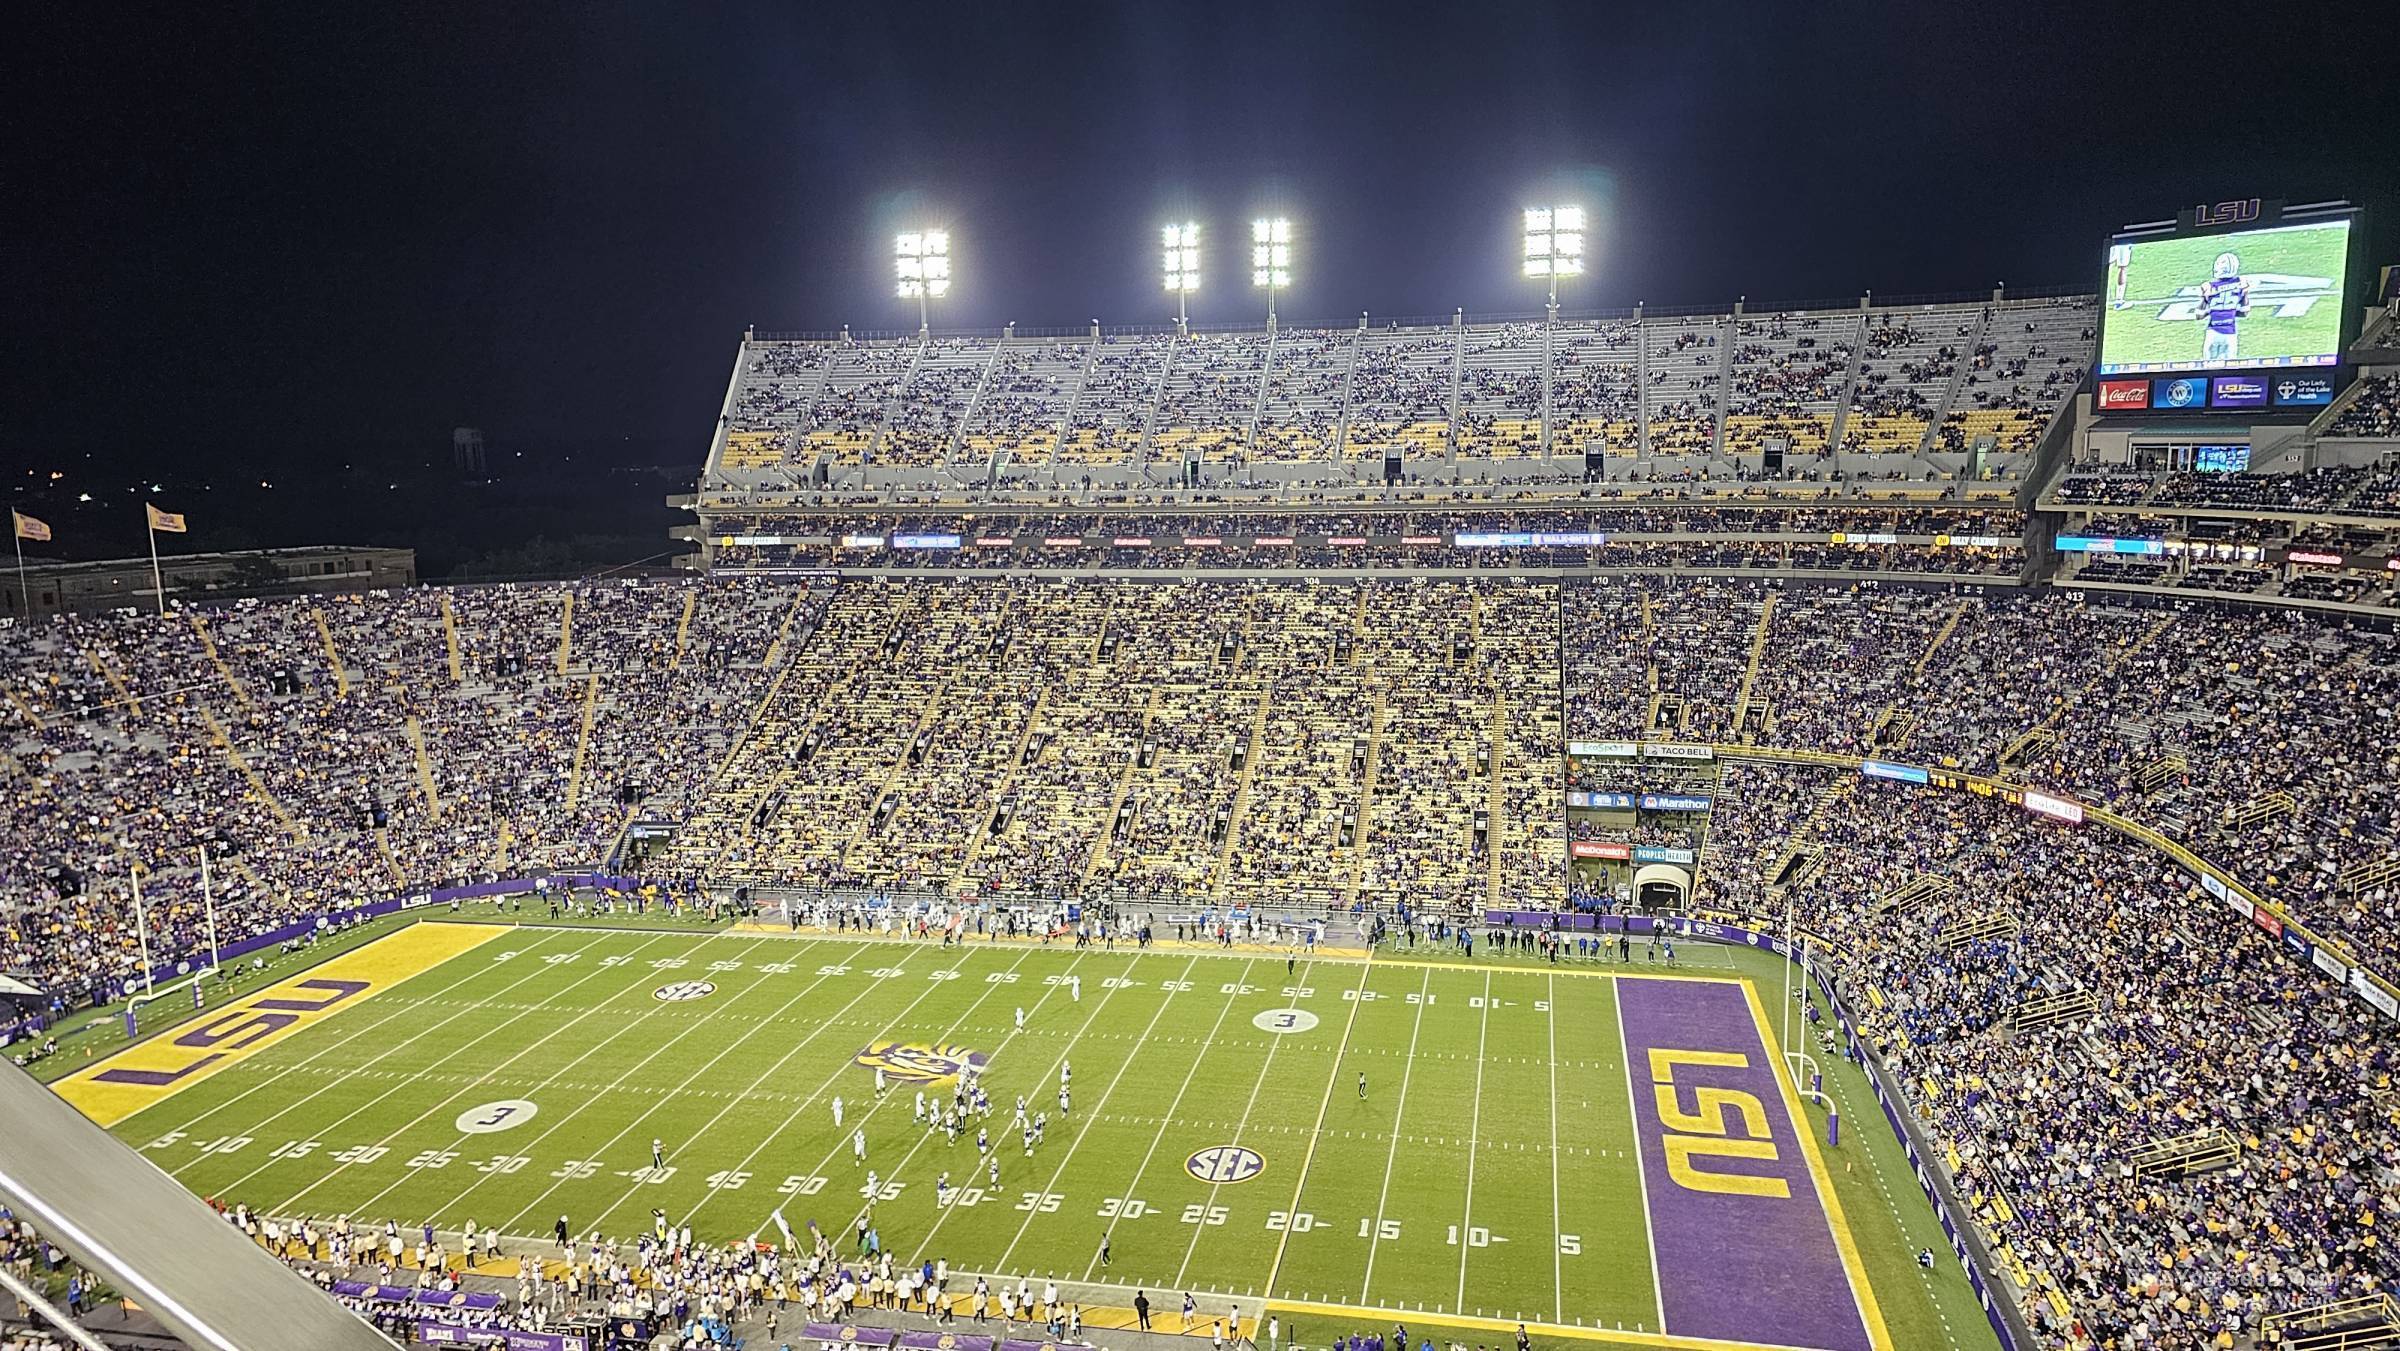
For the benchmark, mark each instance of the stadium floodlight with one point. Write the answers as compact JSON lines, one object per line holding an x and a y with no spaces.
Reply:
{"x":921,"y":259}
{"x":1179,"y":262}
{"x":1553,"y":245}
{"x":1271,"y":258}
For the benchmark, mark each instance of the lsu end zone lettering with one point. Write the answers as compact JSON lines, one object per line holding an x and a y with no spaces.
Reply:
{"x":1747,"y":1237}
{"x":151,"y":1071}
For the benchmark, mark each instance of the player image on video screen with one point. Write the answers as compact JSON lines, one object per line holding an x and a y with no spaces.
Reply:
{"x":2245,"y":300}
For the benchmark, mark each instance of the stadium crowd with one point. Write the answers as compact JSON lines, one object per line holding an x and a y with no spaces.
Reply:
{"x":2073,"y":1022}
{"x":330,"y":752}
{"x":1043,"y":738}
{"x":1391,"y":742}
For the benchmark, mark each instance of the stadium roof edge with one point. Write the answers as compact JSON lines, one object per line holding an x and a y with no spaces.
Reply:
{"x":1868,"y":300}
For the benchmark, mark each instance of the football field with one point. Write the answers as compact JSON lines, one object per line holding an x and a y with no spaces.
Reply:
{"x":1580,"y":1147}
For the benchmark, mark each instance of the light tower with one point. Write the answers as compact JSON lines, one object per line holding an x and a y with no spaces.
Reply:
{"x":1180,"y":265}
{"x":1553,"y":246}
{"x":1271,"y":258}
{"x":922,"y":260}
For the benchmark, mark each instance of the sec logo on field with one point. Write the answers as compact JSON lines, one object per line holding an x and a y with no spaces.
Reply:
{"x":685,"y":989}
{"x":1220,"y":1164}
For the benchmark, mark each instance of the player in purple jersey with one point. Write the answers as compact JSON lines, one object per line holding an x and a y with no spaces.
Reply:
{"x":2224,"y":299}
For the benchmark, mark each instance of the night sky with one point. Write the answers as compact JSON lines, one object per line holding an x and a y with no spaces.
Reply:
{"x":302,"y":243}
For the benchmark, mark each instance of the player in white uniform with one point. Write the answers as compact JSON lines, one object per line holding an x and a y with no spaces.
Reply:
{"x":2224,"y":302}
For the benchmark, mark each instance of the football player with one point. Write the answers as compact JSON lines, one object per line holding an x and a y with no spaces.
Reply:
{"x":2224,"y":300}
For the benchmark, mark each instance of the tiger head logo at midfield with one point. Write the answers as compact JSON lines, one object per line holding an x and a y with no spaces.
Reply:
{"x":918,"y":1062}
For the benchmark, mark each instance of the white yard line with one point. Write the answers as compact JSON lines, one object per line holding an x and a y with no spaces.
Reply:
{"x":931,"y":985}
{"x":1375,"y":1237}
{"x":397,"y":1010}
{"x":1090,"y":1119}
{"x":1266,"y":1065}
{"x":344,"y":1081}
{"x":1316,"y":1129}
{"x":872,"y":1106}
{"x":485,"y":1078}
{"x":1558,"y":1261}
{"x":823,"y":1024}
{"x":1049,"y":1076}
{"x":1474,"y":1141}
{"x":610,"y":1090}
{"x":1168,"y":1119}
{"x":1641,"y":1166}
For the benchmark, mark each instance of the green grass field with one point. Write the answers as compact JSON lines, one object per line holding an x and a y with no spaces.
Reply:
{"x":1489,"y":1171}
{"x":2296,"y":273}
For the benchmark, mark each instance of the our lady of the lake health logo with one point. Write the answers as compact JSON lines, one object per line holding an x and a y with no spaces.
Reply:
{"x":684,"y":989}
{"x":1225,"y":1163}
{"x":496,"y":1116}
{"x":917,"y":1062}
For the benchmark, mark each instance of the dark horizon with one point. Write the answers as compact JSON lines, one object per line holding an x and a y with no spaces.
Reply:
{"x":264,"y":244}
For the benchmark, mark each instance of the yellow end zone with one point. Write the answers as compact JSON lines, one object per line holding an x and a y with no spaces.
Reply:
{"x":149,"y":1072}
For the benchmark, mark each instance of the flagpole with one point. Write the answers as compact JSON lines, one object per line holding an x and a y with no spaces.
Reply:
{"x":17,"y":533}
{"x":150,"y":523}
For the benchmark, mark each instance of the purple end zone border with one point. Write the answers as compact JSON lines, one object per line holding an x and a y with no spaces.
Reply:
{"x":1732,"y":1265}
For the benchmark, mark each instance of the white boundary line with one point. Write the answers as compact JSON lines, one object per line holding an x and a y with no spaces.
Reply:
{"x":823,"y":1024}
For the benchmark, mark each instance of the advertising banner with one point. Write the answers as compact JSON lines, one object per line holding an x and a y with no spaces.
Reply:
{"x":1677,"y":802}
{"x":1663,"y":750}
{"x":1599,"y":849}
{"x":1602,"y":750}
{"x":2056,"y":808}
{"x":1653,"y":854}
{"x":458,"y":1334}
{"x":848,"y":1333}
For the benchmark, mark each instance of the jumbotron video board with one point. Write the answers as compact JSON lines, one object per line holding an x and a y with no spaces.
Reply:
{"x":2244,"y":317}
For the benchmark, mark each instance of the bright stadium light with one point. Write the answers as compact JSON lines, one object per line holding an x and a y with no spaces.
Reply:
{"x":1553,"y":245}
{"x":1271,"y":258}
{"x":1179,"y":262}
{"x":921,"y":259}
